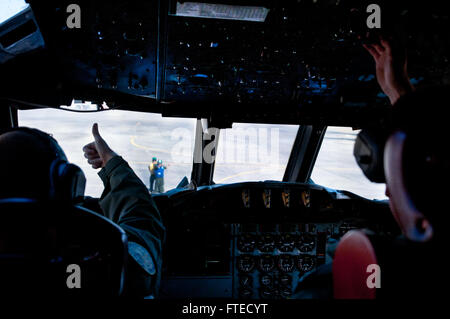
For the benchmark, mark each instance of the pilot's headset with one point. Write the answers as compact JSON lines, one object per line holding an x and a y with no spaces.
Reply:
{"x":368,"y":151}
{"x":402,"y":156}
{"x":67,"y":181}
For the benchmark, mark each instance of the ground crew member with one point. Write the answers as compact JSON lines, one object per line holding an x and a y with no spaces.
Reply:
{"x":159,"y":177}
{"x":152,"y":168}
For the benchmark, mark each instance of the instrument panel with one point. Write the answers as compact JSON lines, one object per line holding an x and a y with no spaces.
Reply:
{"x":256,"y":240}
{"x":270,"y":259}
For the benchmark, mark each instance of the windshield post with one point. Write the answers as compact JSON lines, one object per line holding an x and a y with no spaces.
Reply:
{"x":304,"y":153}
{"x":205,"y":148}
{"x":8,"y":115}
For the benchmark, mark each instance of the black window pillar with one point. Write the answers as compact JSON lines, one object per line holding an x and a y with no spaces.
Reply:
{"x":205,"y":148}
{"x":8,"y":115}
{"x":304,"y":153}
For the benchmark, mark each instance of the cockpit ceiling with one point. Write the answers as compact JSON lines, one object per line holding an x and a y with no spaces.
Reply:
{"x":302,"y":62}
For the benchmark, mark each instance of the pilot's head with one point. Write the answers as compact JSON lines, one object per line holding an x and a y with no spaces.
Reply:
{"x":154,"y":160}
{"x":24,"y":165}
{"x":417,"y":163}
{"x":33,"y":165}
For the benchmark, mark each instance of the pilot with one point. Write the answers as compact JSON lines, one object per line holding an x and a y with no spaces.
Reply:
{"x":416,"y":166}
{"x":24,"y":165}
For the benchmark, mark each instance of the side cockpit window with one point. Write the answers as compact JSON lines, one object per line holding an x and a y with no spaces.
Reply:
{"x":337,"y":168}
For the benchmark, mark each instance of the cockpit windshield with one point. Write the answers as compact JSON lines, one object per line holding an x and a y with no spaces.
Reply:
{"x":246,"y":152}
{"x":138,"y":137}
{"x":9,"y":8}
{"x":253,"y":152}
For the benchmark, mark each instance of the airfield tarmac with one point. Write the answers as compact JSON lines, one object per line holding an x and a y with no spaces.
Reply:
{"x":140,"y":136}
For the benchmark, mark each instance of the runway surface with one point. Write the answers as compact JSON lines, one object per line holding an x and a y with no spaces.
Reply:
{"x":247,"y":152}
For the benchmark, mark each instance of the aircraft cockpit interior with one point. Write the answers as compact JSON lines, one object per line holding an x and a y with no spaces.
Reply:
{"x":239,"y":124}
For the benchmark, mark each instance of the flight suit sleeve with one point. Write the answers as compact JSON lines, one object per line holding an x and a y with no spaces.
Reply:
{"x":127,"y":202}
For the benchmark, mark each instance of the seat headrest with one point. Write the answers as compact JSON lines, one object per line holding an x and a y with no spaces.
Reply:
{"x":46,"y":237}
{"x":353,"y":256}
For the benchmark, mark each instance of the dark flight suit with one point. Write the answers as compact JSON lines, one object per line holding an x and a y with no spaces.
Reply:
{"x":152,"y":167}
{"x":159,"y":179}
{"x":127,"y":202}
{"x":159,"y":185}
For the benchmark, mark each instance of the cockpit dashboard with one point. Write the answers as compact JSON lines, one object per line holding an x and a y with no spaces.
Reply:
{"x":257,"y":240}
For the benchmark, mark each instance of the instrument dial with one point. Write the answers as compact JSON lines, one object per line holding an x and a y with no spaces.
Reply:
{"x":266,"y":263}
{"x":246,"y":263}
{"x":266,"y":293}
{"x":266,"y":280}
{"x":305,"y":263}
{"x":286,"y":263}
{"x":306,"y":243}
{"x":266,"y":243}
{"x":245,"y":293}
{"x":286,"y":280}
{"x":286,"y":243}
{"x":246,"y":281}
{"x":246,"y":243}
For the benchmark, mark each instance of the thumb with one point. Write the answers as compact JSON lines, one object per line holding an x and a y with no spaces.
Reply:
{"x":102,"y":147}
{"x":96,"y":133}
{"x":100,"y":144}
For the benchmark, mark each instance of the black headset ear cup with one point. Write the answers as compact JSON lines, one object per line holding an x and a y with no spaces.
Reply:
{"x":368,"y":151}
{"x":67,"y":181}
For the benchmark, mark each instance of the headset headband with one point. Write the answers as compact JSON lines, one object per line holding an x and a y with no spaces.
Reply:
{"x":47,"y":139}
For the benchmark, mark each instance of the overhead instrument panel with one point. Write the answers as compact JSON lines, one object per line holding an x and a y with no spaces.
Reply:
{"x":122,"y":52}
{"x":112,"y":53}
{"x":274,"y":60}
{"x":233,"y":61}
